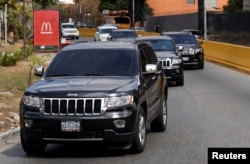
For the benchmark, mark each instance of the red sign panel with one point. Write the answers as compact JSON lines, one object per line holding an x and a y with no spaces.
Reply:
{"x":46,"y":30}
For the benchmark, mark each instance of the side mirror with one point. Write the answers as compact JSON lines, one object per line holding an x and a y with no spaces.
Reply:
{"x":151,"y":68}
{"x":39,"y":70}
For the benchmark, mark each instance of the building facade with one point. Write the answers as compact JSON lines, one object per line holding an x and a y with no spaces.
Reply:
{"x":177,"y":7}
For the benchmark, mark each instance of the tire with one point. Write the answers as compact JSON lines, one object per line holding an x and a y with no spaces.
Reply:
{"x":37,"y":148}
{"x":139,"y":141}
{"x":160,"y":122}
{"x":181,"y":81}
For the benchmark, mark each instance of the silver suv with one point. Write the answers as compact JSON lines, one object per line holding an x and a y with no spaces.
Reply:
{"x":69,"y":30}
{"x":102,"y":32}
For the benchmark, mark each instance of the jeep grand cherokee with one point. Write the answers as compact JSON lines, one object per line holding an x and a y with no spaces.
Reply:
{"x":100,"y":92}
{"x":191,"y":50}
{"x":168,"y":56}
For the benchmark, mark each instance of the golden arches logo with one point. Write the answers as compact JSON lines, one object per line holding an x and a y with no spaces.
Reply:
{"x":46,"y":28}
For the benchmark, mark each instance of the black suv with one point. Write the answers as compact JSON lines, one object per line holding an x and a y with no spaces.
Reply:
{"x":168,"y":56}
{"x":100,"y":92}
{"x":191,"y":50}
{"x":122,"y":35}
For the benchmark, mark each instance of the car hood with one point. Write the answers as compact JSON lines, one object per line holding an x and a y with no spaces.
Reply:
{"x":164,"y":54}
{"x":85,"y":85}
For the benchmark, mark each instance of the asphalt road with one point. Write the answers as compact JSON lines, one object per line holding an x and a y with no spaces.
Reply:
{"x":210,"y":110}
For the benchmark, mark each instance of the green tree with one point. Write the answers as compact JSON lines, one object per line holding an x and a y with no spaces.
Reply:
{"x":233,"y":5}
{"x":45,"y":4}
{"x":14,"y":9}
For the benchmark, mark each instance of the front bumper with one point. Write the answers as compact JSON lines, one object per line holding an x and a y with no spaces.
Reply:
{"x":192,"y":60}
{"x":174,"y":74}
{"x":92,"y":128}
{"x":70,"y":35}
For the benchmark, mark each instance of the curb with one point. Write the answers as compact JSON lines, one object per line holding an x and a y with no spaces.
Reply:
{"x":9,"y":134}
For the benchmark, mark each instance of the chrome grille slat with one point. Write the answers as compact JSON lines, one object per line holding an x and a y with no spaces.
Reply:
{"x":165,"y":62}
{"x":73,"y":106}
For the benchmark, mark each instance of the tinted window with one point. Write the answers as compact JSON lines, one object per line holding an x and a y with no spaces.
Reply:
{"x":103,"y":31}
{"x":149,"y":55}
{"x":94,"y":62}
{"x":183,"y":39}
{"x":68,"y":26}
{"x":162,"y":45}
{"x":124,"y":34}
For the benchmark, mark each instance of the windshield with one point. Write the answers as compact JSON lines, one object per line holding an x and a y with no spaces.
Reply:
{"x":106,"y":31}
{"x":102,"y":62}
{"x":183,"y":39}
{"x":162,"y":45}
{"x":68,"y":26}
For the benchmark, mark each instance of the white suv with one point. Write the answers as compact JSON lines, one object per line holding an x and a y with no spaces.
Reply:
{"x":69,"y":30}
{"x":102,"y":32}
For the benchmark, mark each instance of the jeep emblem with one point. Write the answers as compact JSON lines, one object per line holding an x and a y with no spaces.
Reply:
{"x":72,"y":95}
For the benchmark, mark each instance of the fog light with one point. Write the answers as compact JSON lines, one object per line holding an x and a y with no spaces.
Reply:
{"x":119,"y":123}
{"x":177,"y":71}
{"x":28,"y":123}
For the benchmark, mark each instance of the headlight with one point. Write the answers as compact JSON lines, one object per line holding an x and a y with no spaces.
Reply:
{"x":120,"y":101}
{"x":32,"y":101}
{"x":176,"y":61}
{"x":198,"y":50}
{"x":191,"y":51}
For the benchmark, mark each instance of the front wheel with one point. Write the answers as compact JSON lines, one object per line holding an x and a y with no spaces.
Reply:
{"x":139,"y":141}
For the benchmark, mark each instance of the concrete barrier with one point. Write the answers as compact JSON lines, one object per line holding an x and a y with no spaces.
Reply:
{"x":231,"y":55}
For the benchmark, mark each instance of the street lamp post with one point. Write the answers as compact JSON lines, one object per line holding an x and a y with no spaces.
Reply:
{"x":133,"y":14}
{"x":205,"y":21}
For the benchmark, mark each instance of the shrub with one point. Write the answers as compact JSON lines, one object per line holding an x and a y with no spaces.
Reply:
{"x":8,"y":58}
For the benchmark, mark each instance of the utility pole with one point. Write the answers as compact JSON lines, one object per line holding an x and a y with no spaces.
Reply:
{"x":5,"y":21}
{"x":24,"y":32}
{"x":201,"y":4}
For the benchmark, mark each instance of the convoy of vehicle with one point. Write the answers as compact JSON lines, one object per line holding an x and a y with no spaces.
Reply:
{"x":107,"y":91}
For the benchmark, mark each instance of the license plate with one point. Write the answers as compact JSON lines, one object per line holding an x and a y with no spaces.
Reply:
{"x":185,"y":59}
{"x":70,"y":126}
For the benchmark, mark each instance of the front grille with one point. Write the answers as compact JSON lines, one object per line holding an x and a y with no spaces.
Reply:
{"x":165,"y":62}
{"x":73,"y":106}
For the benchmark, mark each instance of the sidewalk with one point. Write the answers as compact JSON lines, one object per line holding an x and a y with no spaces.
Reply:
{"x":5,"y":136}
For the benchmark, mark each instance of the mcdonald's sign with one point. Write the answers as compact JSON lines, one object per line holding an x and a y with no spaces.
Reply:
{"x":46,"y":28}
